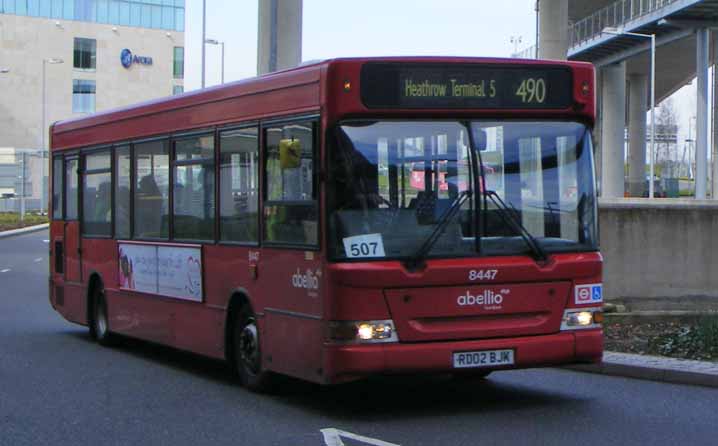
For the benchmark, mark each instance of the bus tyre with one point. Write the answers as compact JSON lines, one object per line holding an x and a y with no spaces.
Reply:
{"x":100,"y":325}
{"x":247,"y":352}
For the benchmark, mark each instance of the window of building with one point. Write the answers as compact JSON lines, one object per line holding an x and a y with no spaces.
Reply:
{"x":97,"y":195}
{"x":57,"y":188}
{"x":151,"y":195}
{"x":122,"y":192}
{"x":193,"y":198}
{"x":239,"y":185}
{"x":178,"y":67}
{"x":164,"y":14}
{"x":290,"y":207}
{"x":85,"y":54}
{"x":71,"y":189}
{"x":177,"y":89}
{"x":83,"y":96}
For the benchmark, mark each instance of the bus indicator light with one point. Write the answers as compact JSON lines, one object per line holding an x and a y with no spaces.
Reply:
{"x":347,"y":86}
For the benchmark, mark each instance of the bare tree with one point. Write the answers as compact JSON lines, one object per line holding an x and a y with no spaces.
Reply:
{"x":666,"y":134}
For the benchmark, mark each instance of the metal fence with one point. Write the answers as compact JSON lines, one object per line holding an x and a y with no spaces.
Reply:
{"x":613,"y":15}
{"x":23,"y":180}
{"x":526,"y":53}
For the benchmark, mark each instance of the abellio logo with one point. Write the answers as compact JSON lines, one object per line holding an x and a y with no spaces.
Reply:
{"x":308,"y":280}
{"x":488,"y":297}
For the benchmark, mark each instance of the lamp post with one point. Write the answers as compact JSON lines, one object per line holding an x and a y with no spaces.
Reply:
{"x":43,"y":130}
{"x":204,"y":36}
{"x":217,"y":42}
{"x":618,"y":32}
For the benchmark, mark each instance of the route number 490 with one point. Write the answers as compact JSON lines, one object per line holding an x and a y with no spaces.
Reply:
{"x":532,"y":91}
{"x":482,"y":274}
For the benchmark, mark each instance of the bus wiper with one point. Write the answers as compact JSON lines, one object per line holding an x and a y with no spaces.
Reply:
{"x":508,"y":216}
{"x":444,"y":220}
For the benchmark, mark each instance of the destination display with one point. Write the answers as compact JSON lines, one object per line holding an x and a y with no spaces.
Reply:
{"x":393,"y":85}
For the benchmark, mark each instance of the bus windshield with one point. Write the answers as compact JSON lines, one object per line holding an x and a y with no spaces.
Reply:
{"x":394,"y":183}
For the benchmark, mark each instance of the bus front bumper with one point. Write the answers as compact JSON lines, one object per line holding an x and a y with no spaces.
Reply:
{"x":349,"y":362}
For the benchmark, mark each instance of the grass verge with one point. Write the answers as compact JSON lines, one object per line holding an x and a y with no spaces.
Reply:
{"x":11,"y":220}
{"x":697,"y":339}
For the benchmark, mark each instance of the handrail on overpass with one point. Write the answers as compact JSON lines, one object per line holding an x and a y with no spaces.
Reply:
{"x":613,"y":15}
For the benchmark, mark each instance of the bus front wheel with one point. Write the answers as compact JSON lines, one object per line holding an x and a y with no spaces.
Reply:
{"x":248,"y":353}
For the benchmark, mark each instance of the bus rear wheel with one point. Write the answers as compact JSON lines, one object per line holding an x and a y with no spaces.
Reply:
{"x":100,"y":327}
{"x":248,"y":353}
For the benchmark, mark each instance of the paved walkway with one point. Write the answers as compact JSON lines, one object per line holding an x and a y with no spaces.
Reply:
{"x":24,"y":230}
{"x":655,"y":368}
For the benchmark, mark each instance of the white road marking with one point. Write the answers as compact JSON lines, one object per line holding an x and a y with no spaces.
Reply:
{"x":39,"y":259}
{"x":5,"y":270}
{"x":46,"y":241}
{"x":332,"y":437}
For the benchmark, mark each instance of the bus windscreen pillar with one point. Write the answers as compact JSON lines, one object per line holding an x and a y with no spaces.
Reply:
{"x":280,"y":35}
{"x":638,"y":104}
{"x":613,"y":119}
{"x":553,"y":29}
{"x":702,"y":60}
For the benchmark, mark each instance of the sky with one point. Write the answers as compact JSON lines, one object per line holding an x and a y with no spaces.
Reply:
{"x":344,"y":28}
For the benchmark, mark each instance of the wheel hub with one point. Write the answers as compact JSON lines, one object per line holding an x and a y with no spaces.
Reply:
{"x":249,"y":347}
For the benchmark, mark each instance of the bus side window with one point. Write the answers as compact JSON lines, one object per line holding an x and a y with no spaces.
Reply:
{"x":97,"y":194}
{"x":122,"y":192}
{"x":57,"y":191}
{"x":71,"y":189}
{"x":239,"y":185}
{"x":193,"y":184}
{"x":151,"y":195}
{"x":290,"y":208}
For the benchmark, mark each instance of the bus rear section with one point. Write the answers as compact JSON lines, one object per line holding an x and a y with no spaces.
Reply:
{"x":459,"y":243}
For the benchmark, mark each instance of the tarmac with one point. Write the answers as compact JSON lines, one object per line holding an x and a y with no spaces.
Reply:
{"x":653,"y":368}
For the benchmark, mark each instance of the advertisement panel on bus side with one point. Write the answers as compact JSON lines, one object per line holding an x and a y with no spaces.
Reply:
{"x":171,"y":271}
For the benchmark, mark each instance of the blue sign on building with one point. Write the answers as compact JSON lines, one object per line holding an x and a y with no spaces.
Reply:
{"x":127,"y":59}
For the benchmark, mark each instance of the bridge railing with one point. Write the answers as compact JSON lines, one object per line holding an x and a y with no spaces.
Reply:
{"x":526,"y":53}
{"x":613,"y":15}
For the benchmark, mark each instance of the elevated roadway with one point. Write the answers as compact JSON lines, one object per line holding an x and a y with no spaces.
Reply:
{"x":682,"y":28}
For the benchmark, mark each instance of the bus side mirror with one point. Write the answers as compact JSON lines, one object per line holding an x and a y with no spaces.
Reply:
{"x":290,"y":151}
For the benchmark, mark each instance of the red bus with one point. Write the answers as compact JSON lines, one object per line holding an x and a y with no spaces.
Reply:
{"x":272,"y":222}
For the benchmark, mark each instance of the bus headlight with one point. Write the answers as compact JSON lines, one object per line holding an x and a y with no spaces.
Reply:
{"x":362,"y":331}
{"x":581,"y":318}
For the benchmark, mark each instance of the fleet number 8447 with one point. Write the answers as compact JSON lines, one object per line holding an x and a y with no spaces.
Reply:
{"x":482,"y":274}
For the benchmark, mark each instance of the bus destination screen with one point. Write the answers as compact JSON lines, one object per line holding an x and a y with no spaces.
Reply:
{"x":392,"y":85}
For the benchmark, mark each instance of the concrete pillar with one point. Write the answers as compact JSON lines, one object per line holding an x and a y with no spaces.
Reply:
{"x":553,"y":29}
{"x":613,"y":116}
{"x":702,"y":39}
{"x":280,"y":35}
{"x":637,"y":105}
{"x":714,"y":126}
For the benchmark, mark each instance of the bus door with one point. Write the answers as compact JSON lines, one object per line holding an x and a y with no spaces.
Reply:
{"x":73,"y":269}
{"x":290,"y":274}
